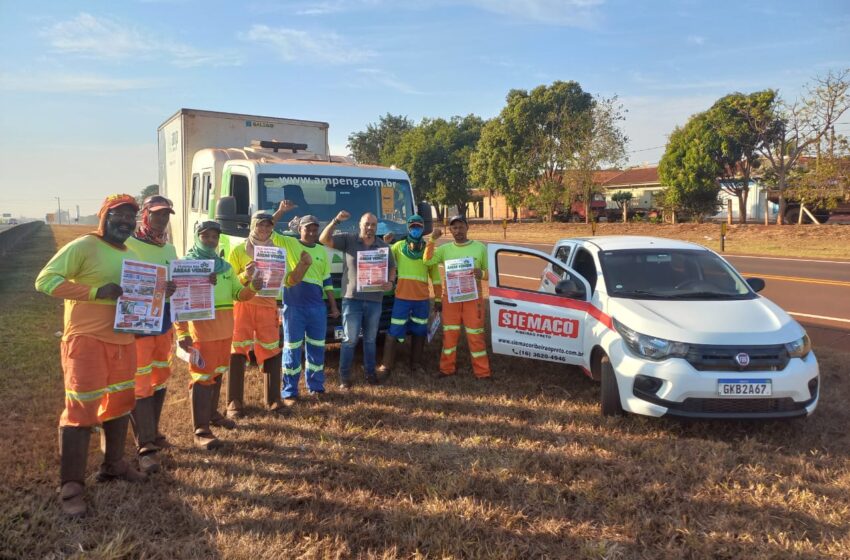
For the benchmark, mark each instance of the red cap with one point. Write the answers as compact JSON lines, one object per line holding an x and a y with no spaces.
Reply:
{"x":158,"y":202}
{"x":115,"y":200}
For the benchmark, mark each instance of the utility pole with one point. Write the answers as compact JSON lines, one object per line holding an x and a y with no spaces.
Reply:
{"x":59,"y":211}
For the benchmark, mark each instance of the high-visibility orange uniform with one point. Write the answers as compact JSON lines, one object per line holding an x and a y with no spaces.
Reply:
{"x":256,"y":321}
{"x":212,"y":338}
{"x":153,"y":352}
{"x":99,"y":364}
{"x":469,"y":314}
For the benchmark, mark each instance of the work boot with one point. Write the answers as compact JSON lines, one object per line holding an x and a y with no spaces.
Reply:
{"x":114,"y":466}
{"x":200,"y":397}
{"x":417,"y":348}
{"x":73,"y":454}
{"x":236,"y":386}
{"x":271,"y":389}
{"x":217,"y":419}
{"x":143,"y":419}
{"x":389,"y":356}
{"x":158,"y":401}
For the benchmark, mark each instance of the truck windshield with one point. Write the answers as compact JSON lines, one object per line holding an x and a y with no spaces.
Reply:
{"x":671,"y":274}
{"x":324,"y":196}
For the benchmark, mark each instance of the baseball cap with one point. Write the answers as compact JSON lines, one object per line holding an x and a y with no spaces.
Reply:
{"x":208,"y":224}
{"x":307,"y":220}
{"x":415,"y":219}
{"x":115,"y":200}
{"x":457,"y":217}
{"x":158,"y":202}
{"x":261,"y":215}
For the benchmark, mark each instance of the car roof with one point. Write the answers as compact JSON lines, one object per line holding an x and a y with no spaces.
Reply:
{"x":621,"y":242}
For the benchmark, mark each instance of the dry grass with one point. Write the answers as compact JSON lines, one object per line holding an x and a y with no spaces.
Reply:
{"x":831,"y":241}
{"x":419,"y":468}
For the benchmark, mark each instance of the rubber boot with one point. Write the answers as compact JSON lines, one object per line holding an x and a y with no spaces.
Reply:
{"x":143,"y":420}
{"x":417,"y":350}
{"x":390,"y":343}
{"x":218,"y":419}
{"x":73,"y":455}
{"x":158,"y":401}
{"x":271,"y":390}
{"x":200,"y":397}
{"x":236,"y":386}
{"x":114,"y":466}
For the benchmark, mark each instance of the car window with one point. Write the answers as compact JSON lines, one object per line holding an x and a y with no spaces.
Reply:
{"x":522,"y":271}
{"x":674,"y":274}
{"x":563,"y":253}
{"x":586,"y":266}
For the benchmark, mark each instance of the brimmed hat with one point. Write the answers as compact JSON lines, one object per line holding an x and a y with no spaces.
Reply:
{"x":261,"y":215}
{"x":158,"y":202}
{"x":456,"y":218}
{"x":115,"y":200}
{"x":415,"y":219}
{"x":207,"y":224}
{"x":307,"y":220}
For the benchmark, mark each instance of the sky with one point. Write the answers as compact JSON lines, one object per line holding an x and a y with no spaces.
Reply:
{"x":85,"y":84}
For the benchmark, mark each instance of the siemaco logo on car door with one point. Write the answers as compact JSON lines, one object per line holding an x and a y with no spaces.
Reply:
{"x":538,"y":324}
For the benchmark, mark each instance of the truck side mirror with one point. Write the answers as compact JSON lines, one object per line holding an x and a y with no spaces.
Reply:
{"x":424,"y":210}
{"x":571,"y":289}
{"x":225,"y":214}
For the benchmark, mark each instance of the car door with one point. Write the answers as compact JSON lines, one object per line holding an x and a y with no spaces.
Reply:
{"x":526,"y":320}
{"x":562,"y":252}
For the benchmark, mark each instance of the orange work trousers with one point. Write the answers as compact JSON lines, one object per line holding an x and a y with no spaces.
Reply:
{"x":99,"y":381}
{"x":256,"y":326}
{"x":470,"y":315}
{"x":153,"y":363}
{"x":216,"y":356}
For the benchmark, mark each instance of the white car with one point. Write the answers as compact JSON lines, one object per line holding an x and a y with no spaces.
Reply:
{"x":667,"y":327}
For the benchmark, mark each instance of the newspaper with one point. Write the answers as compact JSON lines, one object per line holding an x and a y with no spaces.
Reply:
{"x":434,"y":325}
{"x":141,"y":307}
{"x":461,"y":284}
{"x":372,"y":267}
{"x":194,"y":299}
{"x":271,"y":267}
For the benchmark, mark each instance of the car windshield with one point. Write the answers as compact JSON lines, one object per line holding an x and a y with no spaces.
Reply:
{"x":324,"y":196}
{"x":671,"y":274}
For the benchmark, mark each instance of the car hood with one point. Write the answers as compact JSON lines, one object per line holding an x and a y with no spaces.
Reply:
{"x":756,"y":321}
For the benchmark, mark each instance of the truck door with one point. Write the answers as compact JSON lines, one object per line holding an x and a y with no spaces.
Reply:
{"x":528,"y":321}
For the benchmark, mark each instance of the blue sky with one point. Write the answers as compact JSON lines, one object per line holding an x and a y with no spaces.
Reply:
{"x":84,"y":84}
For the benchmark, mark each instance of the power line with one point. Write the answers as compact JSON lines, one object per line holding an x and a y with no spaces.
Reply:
{"x":645,"y":149}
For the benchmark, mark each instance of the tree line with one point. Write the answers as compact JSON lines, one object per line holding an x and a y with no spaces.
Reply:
{"x":542,"y":150}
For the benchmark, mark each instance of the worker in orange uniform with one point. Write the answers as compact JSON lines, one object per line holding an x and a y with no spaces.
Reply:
{"x":212,"y":338}
{"x":255,"y":323}
{"x":153,"y":352}
{"x":99,"y":364}
{"x":469,"y":314}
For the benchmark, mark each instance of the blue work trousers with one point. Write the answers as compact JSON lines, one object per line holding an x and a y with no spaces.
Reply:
{"x":409,"y":315}
{"x":357,"y":313}
{"x":304,"y":325}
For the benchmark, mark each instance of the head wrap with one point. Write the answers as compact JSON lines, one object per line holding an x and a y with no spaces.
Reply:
{"x":253,"y":240}
{"x":202,"y":252}
{"x":110,"y":202}
{"x":414,"y":247}
{"x":145,"y":232}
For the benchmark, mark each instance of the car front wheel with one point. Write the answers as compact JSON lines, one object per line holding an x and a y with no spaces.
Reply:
{"x":609,"y":400}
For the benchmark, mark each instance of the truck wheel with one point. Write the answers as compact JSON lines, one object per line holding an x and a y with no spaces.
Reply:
{"x":609,"y":399}
{"x":792,"y":216}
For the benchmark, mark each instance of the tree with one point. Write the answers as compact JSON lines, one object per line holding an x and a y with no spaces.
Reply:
{"x":601,"y":143}
{"x":822,"y":181}
{"x":376,"y":144}
{"x":621,"y":198}
{"x":690,"y":168}
{"x":436,"y":155}
{"x":790,"y":130}
{"x":150,"y":190}
{"x":732,"y":118}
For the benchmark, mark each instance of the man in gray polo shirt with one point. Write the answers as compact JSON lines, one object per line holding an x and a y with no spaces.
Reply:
{"x":359,"y":308}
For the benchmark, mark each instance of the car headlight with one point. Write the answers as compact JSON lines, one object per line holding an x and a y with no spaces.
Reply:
{"x":800,"y":348}
{"x":650,"y":347}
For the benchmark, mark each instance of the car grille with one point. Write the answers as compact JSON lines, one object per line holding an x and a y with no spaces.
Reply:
{"x":722,"y":358}
{"x":721,"y":406}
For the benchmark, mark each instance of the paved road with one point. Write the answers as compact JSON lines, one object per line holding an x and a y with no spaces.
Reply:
{"x":816,"y":292}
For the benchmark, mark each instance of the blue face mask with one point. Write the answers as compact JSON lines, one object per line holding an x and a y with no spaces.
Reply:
{"x":416,"y":232}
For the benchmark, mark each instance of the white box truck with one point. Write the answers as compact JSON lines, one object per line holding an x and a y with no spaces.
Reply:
{"x":226,"y":166}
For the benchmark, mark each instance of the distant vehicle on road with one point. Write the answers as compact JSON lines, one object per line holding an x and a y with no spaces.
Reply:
{"x":667,"y":327}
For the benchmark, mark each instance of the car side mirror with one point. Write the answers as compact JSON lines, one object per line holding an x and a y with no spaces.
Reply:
{"x":571,"y":289}
{"x":757,"y":284}
{"x":424,"y":210}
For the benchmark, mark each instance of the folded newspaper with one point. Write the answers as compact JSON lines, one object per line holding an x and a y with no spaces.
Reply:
{"x":434,"y":326}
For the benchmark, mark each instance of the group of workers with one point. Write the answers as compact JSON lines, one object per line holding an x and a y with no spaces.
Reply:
{"x":115,"y":379}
